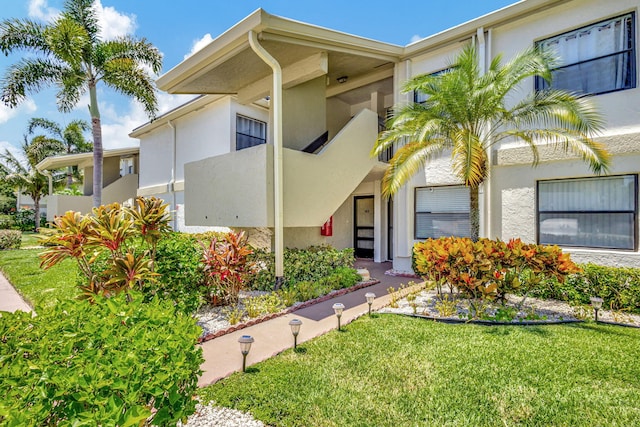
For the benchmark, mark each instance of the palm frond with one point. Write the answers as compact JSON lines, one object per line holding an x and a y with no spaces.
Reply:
{"x":68,"y":41}
{"x":468,"y":158}
{"x":83,"y":12}
{"x":18,"y":34}
{"x":139,"y":51}
{"x":126,"y":77}
{"x":28,"y":75}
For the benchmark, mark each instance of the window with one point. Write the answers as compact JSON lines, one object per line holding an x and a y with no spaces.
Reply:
{"x":421,"y":98}
{"x":249,"y":132}
{"x":442,"y":211}
{"x":595,"y":59}
{"x":589,"y":212}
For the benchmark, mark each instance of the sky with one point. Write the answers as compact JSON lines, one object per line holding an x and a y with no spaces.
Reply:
{"x":178,"y":28}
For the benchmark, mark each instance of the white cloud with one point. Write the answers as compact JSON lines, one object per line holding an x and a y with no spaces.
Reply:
{"x":415,"y":38}
{"x":113,"y":23}
{"x":28,"y":106}
{"x":199,"y":44}
{"x":116,"y":126}
{"x":40,"y":9}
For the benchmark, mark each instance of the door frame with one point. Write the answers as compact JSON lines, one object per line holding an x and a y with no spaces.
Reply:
{"x":356,"y":228}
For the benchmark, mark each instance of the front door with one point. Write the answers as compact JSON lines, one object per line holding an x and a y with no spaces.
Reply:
{"x":363,"y":226}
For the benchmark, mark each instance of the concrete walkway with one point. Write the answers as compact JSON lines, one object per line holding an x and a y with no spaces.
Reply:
{"x":222,"y":355}
{"x":10,"y":299}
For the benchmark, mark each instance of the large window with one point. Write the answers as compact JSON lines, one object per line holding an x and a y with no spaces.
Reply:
{"x":249,"y":132}
{"x":589,"y":212}
{"x":442,"y":212}
{"x":598,"y":58}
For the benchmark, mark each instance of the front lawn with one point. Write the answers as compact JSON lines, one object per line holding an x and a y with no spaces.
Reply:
{"x":398,"y":371}
{"x":38,"y":286}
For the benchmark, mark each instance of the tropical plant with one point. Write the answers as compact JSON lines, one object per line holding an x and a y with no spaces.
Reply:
{"x":20,"y":170}
{"x":118,"y":362}
{"x":113,"y":252}
{"x":227,"y":266}
{"x":467,"y":112}
{"x":71,"y":138}
{"x":69,"y":54}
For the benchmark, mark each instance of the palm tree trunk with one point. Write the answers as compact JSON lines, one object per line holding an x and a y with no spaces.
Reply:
{"x":474,"y":213}
{"x":36,"y":213}
{"x":96,"y":130}
{"x":69,"y":176}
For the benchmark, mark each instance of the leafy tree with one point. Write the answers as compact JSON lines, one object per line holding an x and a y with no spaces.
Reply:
{"x":22,"y":173}
{"x":71,"y":137}
{"x":467,"y":112}
{"x":69,"y":55}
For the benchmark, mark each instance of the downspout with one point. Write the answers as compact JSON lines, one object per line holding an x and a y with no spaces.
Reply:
{"x":482,"y":60}
{"x":172,"y":182}
{"x":278,"y":188}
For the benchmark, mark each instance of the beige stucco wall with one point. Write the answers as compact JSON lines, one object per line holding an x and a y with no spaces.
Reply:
{"x":304,"y":113}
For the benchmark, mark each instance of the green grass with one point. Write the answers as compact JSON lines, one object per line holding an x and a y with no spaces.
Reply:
{"x":39,"y":287}
{"x":30,"y":238}
{"x":397,"y":371}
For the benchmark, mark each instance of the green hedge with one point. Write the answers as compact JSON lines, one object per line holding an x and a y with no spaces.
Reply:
{"x":182,"y":279}
{"x":10,"y":239}
{"x":300,"y":265}
{"x":618,"y":286}
{"x":115,"y":362}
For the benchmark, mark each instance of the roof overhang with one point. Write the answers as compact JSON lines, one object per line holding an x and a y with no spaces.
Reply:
{"x":468,"y":29}
{"x":82,"y":159}
{"x":228,"y":64}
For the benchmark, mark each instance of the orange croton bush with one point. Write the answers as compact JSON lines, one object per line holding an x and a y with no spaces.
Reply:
{"x":489,"y":269}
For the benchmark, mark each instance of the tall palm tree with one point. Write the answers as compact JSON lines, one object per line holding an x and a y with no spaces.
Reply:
{"x":70,"y":56}
{"x":467,"y":112}
{"x":71,"y":137}
{"x":22,"y":173}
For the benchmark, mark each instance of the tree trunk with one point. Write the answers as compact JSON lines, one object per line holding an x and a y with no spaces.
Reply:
{"x":474,"y":214}
{"x":69,"y":176}
{"x":36,"y":213}
{"x":96,"y":130}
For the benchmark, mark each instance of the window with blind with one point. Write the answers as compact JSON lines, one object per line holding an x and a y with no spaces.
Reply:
{"x":442,"y":212}
{"x":249,"y":132}
{"x":589,"y":212}
{"x":595,"y":59}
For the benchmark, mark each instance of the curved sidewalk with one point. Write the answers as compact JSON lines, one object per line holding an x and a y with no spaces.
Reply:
{"x":10,"y":299}
{"x":222,"y":355}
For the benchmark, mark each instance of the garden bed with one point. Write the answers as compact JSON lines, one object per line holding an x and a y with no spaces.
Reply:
{"x":534,"y":311}
{"x":214,"y":320}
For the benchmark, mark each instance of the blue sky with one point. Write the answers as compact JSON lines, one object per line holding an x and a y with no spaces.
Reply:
{"x":178,"y":28}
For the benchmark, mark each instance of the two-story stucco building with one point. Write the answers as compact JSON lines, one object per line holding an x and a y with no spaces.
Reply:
{"x":280,"y":137}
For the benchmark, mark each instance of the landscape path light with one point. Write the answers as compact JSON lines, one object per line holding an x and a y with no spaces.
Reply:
{"x":245,"y":345}
{"x":295,"y":330}
{"x":596,"y":302}
{"x":370,"y":296}
{"x":338,"y":308}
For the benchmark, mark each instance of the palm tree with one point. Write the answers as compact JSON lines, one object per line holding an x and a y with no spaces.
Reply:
{"x":467,"y":112}
{"x":23,"y":175}
{"x":70,"y":56}
{"x":71,"y":137}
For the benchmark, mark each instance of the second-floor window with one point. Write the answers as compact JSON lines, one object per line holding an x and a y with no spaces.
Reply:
{"x":249,"y":132}
{"x":598,"y":58}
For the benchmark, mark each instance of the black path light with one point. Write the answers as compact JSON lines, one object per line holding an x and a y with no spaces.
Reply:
{"x":338,"y":308}
{"x":370,"y":296}
{"x":245,"y":345}
{"x":295,"y":330}
{"x":596,"y":302}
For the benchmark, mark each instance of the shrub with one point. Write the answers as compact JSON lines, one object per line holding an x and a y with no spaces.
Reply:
{"x":116,"y":362}
{"x":114,"y":247}
{"x":181,"y":275}
{"x":25,"y":220}
{"x":10,"y":239}
{"x":619,"y":287}
{"x":226,"y":265}
{"x":310,"y":264}
{"x":6,"y":221}
{"x":488,"y":269}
